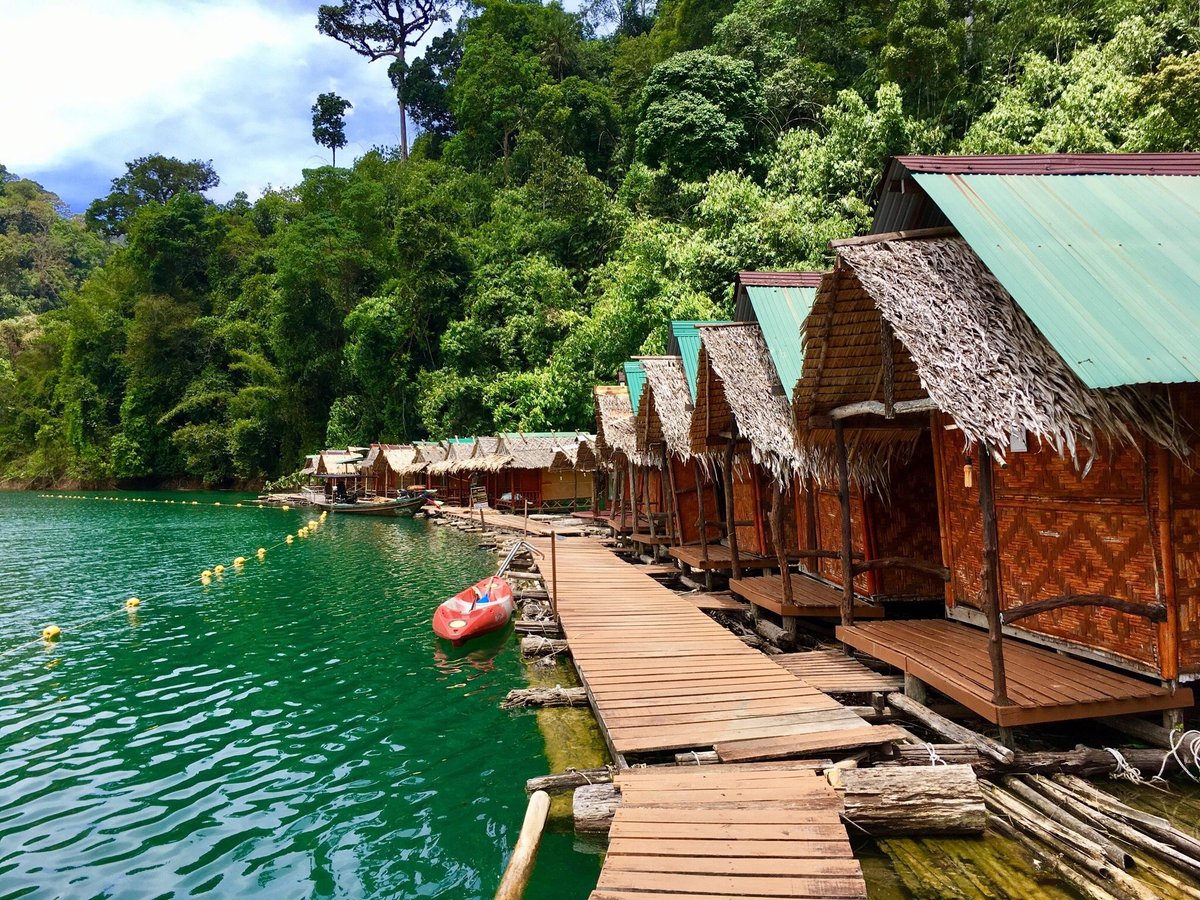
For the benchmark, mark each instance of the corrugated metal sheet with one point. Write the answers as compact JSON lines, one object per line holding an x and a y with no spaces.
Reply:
{"x":1058,"y":164}
{"x":1107,"y":266}
{"x":635,"y":380}
{"x":780,"y":312}
{"x":685,"y":343}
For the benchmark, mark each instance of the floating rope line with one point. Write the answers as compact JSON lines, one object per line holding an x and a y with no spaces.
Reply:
{"x":51,"y":633}
{"x":239,"y":504}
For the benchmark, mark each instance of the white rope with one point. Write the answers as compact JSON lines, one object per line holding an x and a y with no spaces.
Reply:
{"x":696,"y":757}
{"x":934,"y":759}
{"x":1193,"y":750}
{"x":1124,"y":771}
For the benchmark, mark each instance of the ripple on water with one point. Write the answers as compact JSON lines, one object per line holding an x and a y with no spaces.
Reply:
{"x":290,"y":729}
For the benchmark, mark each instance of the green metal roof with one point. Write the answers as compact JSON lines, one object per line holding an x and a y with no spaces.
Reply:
{"x":635,"y":380}
{"x":780,"y":313}
{"x":1106,"y":266}
{"x":685,"y":340}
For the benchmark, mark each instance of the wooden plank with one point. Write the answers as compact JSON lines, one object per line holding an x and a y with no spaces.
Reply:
{"x":736,"y":865}
{"x":783,"y":746}
{"x":758,"y":849}
{"x":734,"y":885}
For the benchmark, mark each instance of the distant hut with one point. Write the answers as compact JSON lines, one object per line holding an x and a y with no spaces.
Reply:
{"x":551,"y":471}
{"x":1043,"y":331}
{"x":452,"y":483}
{"x":485,"y":467}
{"x":616,"y":449}
{"x":663,"y":419}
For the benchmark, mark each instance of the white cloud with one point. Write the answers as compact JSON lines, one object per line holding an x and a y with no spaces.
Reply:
{"x":89,"y":86}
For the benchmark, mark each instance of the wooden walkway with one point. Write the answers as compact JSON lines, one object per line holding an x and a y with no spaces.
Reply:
{"x":708,"y":832}
{"x":1043,"y":686}
{"x":661,"y":675}
{"x":834,"y":672}
{"x":509,"y":522}
{"x":718,"y":600}
{"x":810,"y":597}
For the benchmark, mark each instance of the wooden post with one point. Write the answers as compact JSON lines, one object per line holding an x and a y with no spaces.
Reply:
{"x":520,"y":864}
{"x":1168,"y":631}
{"x":847,"y":533}
{"x":778,"y":537}
{"x":525,"y":524}
{"x":676,"y":517}
{"x":730,"y":517}
{"x":574,"y":489}
{"x":633,"y":496}
{"x":703,"y":526}
{"x":554,"y":573}
{"x":991,"y":576}
{"x":811,"y":510}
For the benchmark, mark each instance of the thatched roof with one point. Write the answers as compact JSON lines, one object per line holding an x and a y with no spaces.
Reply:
{"x":979,"y":357}
{"x":404,"y":459}
{"x":338,"y":462}
{"x":615,"y":434}
{"x":665,"y":414}
{"x":738,"y":393}
{"x":455,"y":452}
{"x":488,"y":454}
{"x":310,"y":464}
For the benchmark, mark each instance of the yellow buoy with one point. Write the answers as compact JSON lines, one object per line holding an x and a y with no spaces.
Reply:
{"x":288,"y":539}
{"x":286,"y":507}
{"x":51,"y":632}
{"x":312,"y":523}
{"x":238,"y":505}
{"x":195,"y":503}
{"x":132,"y":602}
{"x":206,"y":579}
{"x":218,"y":569}
{"x":262,"y":551}
{"x":240,"y":561}
{"x":217,"y":503}
{"x":207,"y":573}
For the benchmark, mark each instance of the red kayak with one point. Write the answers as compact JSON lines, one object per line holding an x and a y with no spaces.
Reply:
{"x":483,"y":607}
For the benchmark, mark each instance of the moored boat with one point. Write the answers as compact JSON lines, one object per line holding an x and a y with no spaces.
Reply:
{"x":404,"y":505}
{"x":484,"y":607}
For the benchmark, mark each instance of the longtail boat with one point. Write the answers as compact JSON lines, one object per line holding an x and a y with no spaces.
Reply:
{"x":404,"y":505}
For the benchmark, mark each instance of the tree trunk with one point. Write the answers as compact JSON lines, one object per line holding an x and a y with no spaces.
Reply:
{"x":568,"y":780}
{"x":594,"y":806}
{"x":894,"y":801}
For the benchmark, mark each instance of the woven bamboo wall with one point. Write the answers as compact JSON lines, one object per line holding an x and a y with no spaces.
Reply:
{"x":747,"y":507}
{"x":829,"y":535}
{"x":1185,"y":531}
{"x":905,"y":523}
{"x":689,"y":505}
{"x":1060,"y":533}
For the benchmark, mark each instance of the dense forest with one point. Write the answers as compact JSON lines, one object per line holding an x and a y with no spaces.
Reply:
{"x":575,"y":181}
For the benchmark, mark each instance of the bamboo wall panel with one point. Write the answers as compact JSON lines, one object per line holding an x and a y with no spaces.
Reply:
{"x":746,"y":508}
{"x":905,"y":523}
{"x":1060,"y":534}
{"x":564,"y":484}
{"x":829,"y":535}
{"x":1185,"y":529}
{"x":689,"y":505}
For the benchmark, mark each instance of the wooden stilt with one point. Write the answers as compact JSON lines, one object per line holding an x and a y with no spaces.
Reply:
{"x":735,"y":562}
{"x":847,"y":533}
{"x":633,"y":496}
{"x":991,"y":576}
{"x":708,"y":582}
{"x":811,"y":564}
{"x":676,"y":519}
{"x":777,"y":535}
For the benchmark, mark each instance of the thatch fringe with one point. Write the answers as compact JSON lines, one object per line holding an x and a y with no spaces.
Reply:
{"x":985,"y":363}
{"x":668,"y":401}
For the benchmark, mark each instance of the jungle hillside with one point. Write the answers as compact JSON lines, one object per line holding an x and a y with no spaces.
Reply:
{"x":574,"y":181}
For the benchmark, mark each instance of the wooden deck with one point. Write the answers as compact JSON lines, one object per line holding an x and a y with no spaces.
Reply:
{"x":1043,"y":686}
{"x":810,"y":597}
{"x":709,"y":832}
{"x":650,"y":540}
{"x":834,"y":672}
{"x":509,"y":522}
{"x":661,"y":675}
{"x":719,"y":558}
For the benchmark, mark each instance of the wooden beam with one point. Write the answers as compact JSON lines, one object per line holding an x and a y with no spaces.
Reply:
{"x":1155,"y":612}
{"x":875,"y":408}
{"x":902,"y":562}
{"x":847,"y":533}
{"x":777,"y":536}
{"x":911,"y":234}
{"x":889,"y":368}
{"x":731,"y":525}
{"x":991,"y":576}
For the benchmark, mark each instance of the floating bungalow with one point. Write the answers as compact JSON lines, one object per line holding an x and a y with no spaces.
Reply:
{"x":616,"y":451}
{"x":1034,"y":316}
{"x":548,"y":472}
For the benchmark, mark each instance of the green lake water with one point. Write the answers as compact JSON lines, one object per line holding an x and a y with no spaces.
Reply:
{"x":291,"y":729}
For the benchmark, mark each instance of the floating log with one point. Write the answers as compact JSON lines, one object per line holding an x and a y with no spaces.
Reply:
{"x":569,"y":780}
{"x":774,"y":634}
{"x":1083,"y":761}
{"x":1084,"y":886}
{"x":593,"y":807}
{"x":520,"y":864}
{"x":897,"y":801}
{"x":1151,"y":824}
{"x":555,"y":696}
{"x":1063,"y":840}
{"x":1068,"y":817}
{"x":1147,"y":732}
{"x":536,"y":645}
{"x":1058,"y":794}
{"x":943,"y":727}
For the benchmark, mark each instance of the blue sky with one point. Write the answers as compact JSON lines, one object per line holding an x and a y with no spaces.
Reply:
{"x":90,"y":85}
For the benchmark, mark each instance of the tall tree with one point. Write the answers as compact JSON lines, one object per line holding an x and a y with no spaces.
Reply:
{"x":378,"y":29}
{"x":329,"y":121}
{"x":150,"y":179}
